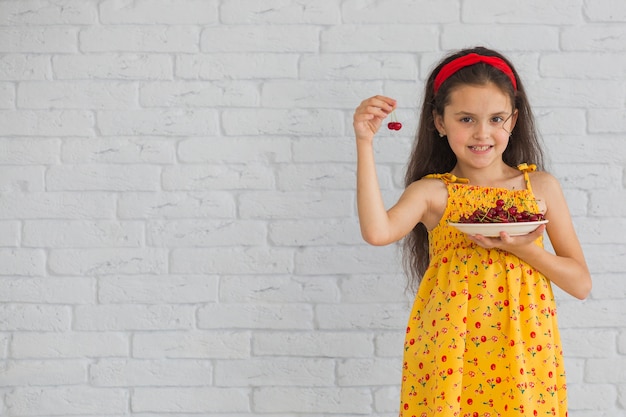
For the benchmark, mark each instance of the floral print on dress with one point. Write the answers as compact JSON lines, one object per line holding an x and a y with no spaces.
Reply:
{"x":482,"y":338}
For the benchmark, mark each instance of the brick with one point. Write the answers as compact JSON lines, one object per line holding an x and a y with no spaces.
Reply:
{"x":218,"y":177}
{"x":151,"y":289}
{"x":190,"y":400}
{"x":256,"y":316}
{"x":301,"y":122}
{"x":593,"y":37}
{"x":154,"y":373}
{"x":41,"y":373}
{"x":596,"y":314}
{"x":584,"y":176}
{"x":591,"y":148}
{"x":103,"y":177}
{"x":577,"y":93}
{"x":143,"y":38}
{"x":605,"y":371}
{"x":362,"y":316}
{"x":46,"y":123}
{"x":227,"y":344}
{"x":164,"y":122}
{"x":379,"y":38}
{"x":609,"y":11}
{"x":76,"y":95}
{"x":107,"y":261}
{"x":599,"y":231}
{"x":417,"y":12}
{"x":590,"y":396}
{"x":125,"y":150}
{"x":239,"y":66}
{"x":316,"y":232}
{"x":294,"y":205}
{"x":122,"y":317}
{"x":533,"y":12}
{"x":374,"y":288}
{"x":514,"y":38}
{"x":7,"y":96}
{"x":324,"y":12}
{"x":22,"y":262}
{"x":9,"y":233}
{"x":386,"y":400}
{"x":186,"y":12}
{"x":278,"y":289}
{"x":314,"y":94}
{"x":34,"y":317}
{"x":38,"y":12}
{"x":49,"y":205}
{"x":52,"y":290}
{"x":346,"y":260}
{"x":551,"y":121}
{"x":235,"y":150}
{"x":39,"y":39}
{"x":604,"y":258}
{"x":168,"y":205}
{"x":608,"y":285}
{"x":588,"y":343}
{"x":21,"y":179}
{"x":30,"y":151}
{"x":58,"y":401}
{"x":69,"y":345}
{"x":112,"y":66}
{"x":392,"y":66}
{"x":306,"y":400}
{"x":587,"y":65}
{"x":313,"y":344}
{"x":606,"y":121}
{"x":389,"y":343}
{"x":292,"y":372}
{"x":199,"y":94}
{"x":17,"y":67}
{"x":607,"y":203}
{"x":260,"y":38}
{"x":368,"y":372}
{"x":335,"y":176}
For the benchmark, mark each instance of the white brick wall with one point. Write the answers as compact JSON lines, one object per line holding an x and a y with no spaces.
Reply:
{"x":178,"y":234}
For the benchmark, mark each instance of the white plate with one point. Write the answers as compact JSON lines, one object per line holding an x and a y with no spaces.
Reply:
{"x":494,"y":229}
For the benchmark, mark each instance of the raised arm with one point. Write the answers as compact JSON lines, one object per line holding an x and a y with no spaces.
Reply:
{"x":378,"y":225}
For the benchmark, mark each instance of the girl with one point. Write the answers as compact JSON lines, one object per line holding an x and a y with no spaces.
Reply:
{"x":482,"y":338}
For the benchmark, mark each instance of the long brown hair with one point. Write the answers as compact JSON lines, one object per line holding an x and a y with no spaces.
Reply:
{"x":432,"y":154}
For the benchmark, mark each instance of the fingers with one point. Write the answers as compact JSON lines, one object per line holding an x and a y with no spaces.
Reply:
{"x":379,"y":106}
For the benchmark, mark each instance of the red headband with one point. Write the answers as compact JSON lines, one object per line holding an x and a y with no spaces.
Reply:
{"x":471,"y":59}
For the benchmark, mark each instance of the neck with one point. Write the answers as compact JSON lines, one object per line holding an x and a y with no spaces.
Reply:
{"x":496,"y":175}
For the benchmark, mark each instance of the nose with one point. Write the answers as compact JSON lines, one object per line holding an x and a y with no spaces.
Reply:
{"x":482,"y":130}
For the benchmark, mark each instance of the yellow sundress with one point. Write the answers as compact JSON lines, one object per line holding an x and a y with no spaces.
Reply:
{"x":482,"y":339}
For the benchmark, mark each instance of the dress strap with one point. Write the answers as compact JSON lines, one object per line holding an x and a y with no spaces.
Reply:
{"x":526,"y":168}
{"x":448,"y":178}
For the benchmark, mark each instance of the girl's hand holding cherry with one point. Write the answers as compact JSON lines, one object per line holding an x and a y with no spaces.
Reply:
{"x":369,"y":116}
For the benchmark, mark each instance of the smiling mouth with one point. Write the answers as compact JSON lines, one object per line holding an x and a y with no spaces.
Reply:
{"x":480,"y":148}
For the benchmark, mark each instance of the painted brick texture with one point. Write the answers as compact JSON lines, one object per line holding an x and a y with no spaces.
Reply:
{"x":178,"y":230}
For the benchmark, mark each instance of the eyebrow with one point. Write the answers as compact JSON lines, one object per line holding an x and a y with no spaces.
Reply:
{"x":466,"y":113}
{"x":500,"y":113}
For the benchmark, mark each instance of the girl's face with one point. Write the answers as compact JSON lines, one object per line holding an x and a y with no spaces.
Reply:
{"x":477,"y":121}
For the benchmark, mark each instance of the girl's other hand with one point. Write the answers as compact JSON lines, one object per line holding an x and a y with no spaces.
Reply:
{"x":370,"y":114}
{"x":506,"y":242}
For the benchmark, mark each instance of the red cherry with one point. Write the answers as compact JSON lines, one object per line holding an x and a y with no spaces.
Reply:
{"x":394,"y":125}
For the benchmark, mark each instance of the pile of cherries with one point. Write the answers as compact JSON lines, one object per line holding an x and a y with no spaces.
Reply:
{"x":501,"y":214}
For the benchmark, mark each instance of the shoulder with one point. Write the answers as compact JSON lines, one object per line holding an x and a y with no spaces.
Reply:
{"x":544,"y":182}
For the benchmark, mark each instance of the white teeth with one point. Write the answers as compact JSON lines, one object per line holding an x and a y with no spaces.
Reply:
{"x":480,"y":148}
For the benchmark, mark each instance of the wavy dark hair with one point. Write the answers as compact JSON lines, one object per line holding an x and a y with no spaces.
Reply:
{"x":432,"y":154}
